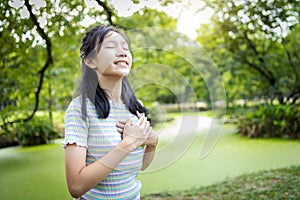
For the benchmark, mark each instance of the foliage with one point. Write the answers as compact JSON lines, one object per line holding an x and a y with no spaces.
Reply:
{"x":158,"y":115}
{"x":278,"y":184}
{"x":147,"y":17}
{"x":170,"y":75}
{"x":37,"y":131}
{"x":7,"y":141}
{"x":271,"y":121}
{"x":24,"y":50}
{"x":255,"y":45}
{"x":27,"y":39}
{"x":34,"y":132}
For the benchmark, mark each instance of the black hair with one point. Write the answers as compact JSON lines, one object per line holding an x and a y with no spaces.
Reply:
{"x":89,"y":86}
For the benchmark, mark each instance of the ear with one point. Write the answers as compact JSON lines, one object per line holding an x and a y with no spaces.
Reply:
{"x":89,"y":62}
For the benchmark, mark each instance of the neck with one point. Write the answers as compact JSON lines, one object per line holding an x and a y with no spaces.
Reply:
{"x":113,"y":87}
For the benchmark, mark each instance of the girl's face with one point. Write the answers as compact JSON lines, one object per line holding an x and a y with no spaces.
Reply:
{"x":114,"y":57}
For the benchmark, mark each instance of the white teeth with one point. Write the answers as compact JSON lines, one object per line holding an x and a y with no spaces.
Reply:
{"x":121,"y":62}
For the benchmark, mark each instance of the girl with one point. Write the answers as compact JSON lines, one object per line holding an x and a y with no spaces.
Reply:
{"x":108,"y":139}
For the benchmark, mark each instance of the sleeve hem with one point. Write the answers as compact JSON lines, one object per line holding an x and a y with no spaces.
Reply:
{"x":65,"y":144}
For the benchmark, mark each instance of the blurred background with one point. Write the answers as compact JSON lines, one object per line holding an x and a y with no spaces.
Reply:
{"x":253,"y":44}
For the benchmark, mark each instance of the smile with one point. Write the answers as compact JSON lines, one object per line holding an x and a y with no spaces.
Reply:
{"x":121,"y":62}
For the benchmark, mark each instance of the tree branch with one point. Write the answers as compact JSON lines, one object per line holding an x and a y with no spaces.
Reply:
{"x":263,"y":73}
{"x":107,"y":10}
{"x":109,"y":14}
{"x":42,"y":71}
{"x":266,"y":73}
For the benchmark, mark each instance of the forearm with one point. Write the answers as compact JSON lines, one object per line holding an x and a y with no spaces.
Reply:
{"x":149,"y":153}
{"x":82,"y":179}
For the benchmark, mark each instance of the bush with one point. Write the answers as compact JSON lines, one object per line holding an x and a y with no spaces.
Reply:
{"x":33,"y":132}
{"x":156,"y":114}
{"x":6,"y":141}
{"x":271,"y":121}
{"x":36,"y":131}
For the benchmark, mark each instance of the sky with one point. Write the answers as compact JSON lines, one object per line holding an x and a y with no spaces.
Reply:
{"x":190,"y":13}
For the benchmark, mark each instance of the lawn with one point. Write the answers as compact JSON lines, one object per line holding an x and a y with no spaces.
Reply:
{"x":38,"y":172}
{"x":32,"y":173}
{"x":232,"y":156}
{"x":283,"y":183}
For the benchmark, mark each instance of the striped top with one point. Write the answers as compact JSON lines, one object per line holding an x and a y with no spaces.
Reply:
{"x":99,"y":136}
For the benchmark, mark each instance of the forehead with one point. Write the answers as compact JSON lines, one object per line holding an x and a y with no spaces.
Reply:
{"x":113,"y":36}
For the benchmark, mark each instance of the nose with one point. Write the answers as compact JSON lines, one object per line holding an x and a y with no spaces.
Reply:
{"x":122,"y":53}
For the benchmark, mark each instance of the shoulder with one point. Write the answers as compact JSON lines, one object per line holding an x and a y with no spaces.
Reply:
{"x":76,"y":103}
{"x":74,"y":112}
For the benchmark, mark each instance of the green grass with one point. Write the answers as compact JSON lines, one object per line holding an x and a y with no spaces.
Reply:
{"x":38,"y":172}
{"x":276,"y":184}
{"x":32,"y":173}
{"x":232,"y":156}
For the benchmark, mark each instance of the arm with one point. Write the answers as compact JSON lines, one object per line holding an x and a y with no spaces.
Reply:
{"x":149,"y":151}
{"x":150,"y":146}
{"x":81,"y":178}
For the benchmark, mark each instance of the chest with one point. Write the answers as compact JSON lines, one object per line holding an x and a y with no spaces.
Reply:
{"x":102,"y":133}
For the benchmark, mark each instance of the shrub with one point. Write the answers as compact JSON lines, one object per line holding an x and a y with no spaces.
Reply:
{"x":7,"y":141}
{"x":33,"y":132}
{"x":36,"y":131}
{"x":156,"y":114}
{"x":271,"y":121}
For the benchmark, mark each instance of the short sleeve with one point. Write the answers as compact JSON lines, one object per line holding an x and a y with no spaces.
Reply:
{"x":76,"y":129}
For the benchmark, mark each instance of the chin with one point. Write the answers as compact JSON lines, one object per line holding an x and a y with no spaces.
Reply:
{"x":125,"y":72}
{"x":122,"y":74}
{"x":118,"y":72}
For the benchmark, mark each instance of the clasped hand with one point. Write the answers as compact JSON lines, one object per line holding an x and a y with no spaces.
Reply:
{"x":139,"y":133}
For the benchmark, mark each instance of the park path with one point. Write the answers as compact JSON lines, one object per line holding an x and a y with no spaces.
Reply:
{"x":183,"y":125}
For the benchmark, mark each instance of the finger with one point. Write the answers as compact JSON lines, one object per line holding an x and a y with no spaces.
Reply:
{"x":144,"y":122}
{"x":140,"y":121}
{"x":120,"y":130}
{"x":138,"y":114}
{"x":129,"y":122}
{"x":122,"y":122}
{"x":147,"y":124}
{"x":149,"y":131}
{"x":119,"y":125}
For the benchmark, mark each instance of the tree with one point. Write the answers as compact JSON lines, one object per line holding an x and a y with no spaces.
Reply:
{"x":39,"y":43}
{"x":254,"y":45}
{"x":28,"y":35}
{"x":40,"y":52}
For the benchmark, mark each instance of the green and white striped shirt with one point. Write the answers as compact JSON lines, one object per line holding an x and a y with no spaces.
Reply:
{"x":99,"y":136}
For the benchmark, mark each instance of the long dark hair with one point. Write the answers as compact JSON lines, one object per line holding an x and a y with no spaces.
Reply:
{"x":89,"y":86}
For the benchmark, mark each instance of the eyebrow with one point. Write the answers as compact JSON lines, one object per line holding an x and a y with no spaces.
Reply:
{"x":113,"y":41}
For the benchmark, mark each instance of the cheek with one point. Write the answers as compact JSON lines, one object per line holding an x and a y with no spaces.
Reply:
{"x":104,"y":62}
{"x":130,"y":60}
